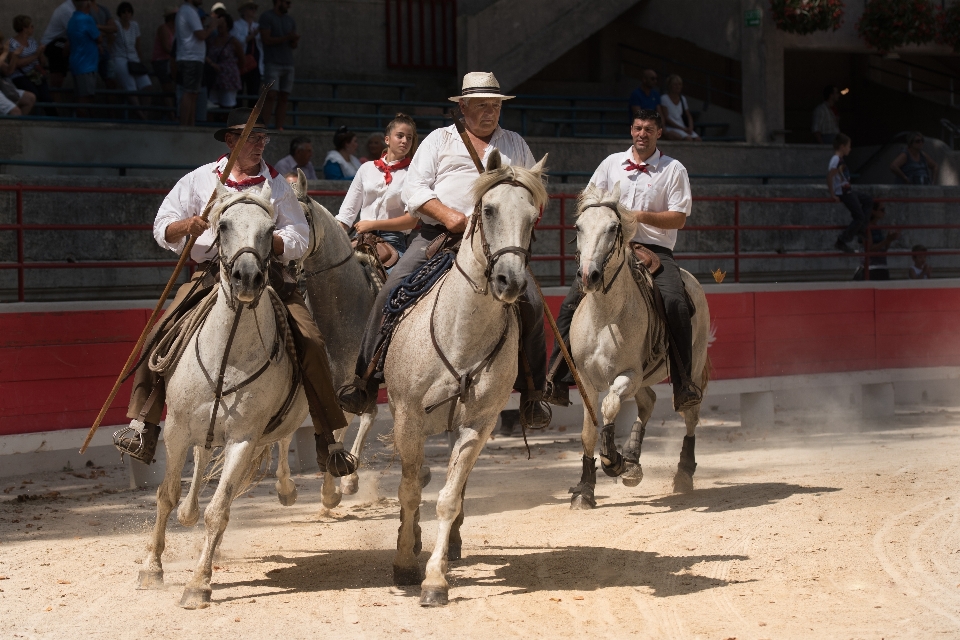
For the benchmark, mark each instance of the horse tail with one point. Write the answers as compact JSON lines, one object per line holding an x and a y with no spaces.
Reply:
{"x":250,"y":479}
{"x":705,"y":376}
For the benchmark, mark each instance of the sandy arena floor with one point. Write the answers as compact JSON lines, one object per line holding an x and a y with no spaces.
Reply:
{"x":811,"y":530}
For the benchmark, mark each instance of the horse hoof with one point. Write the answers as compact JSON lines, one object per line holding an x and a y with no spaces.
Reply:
{"x":433,"y":597}
{"x":188,"y":519}
{"x":613,"y":466}
{"x":424,"y":476}
{"x":196,"y":598}
{"x":287,"y":499}
{"x":454,"y":552}
{"x":582,"y":503}
{"x":682,"y":482}
{"x":407,"y":576}
{"x":632,"y":476}
{"x":150,"y":579}
{"x":350,"y":484}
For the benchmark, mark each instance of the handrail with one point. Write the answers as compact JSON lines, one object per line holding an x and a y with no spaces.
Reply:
{"x":122,"y":167}
{"x":949,"y":129}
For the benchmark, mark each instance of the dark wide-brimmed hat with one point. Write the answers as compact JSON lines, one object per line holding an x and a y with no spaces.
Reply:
{"x":236,"y":121}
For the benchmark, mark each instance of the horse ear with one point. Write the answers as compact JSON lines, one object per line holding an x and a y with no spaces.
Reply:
{"x":221,"y":190}
{"x":541,"y":167}
{"x":616,"y":191}
{"x":265,"y":191}
{"x":300,"y":186}
{"x":495,"y":160}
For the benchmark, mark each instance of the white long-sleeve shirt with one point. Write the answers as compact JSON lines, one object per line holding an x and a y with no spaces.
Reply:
{"x":665,"y":186}
{"x":371,"y":198}
{"x":190,"y":195}
{"x":442,"y":169}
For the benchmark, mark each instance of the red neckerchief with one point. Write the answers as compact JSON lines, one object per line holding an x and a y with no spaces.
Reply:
{"x":243,"y":184}
{"x":388,"y":168}
{"x":633,"y":166}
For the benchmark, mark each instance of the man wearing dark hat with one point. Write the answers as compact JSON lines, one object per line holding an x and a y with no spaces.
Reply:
{"x":438,"y":190}
{"x":180,"y":216}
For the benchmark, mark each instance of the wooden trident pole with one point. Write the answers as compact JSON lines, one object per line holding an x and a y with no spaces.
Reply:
{"x":184,"y":255}
{"x":587,"y":404}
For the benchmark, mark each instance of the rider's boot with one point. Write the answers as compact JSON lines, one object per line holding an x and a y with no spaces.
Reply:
{"x":139,"y":440}
{"x":359,"y":396}
{"x":534,"y":412}
{"x":557,"y":393}
{"x":687,"y":397}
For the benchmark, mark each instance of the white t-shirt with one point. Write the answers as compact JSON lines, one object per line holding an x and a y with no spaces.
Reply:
{"x":57,"y":27}
{"x":840,"y":179}
{"x":125,"y":43}
{"x":664,"y":187}
{"x":674,"y":111}
{"x":370,"y":198}
{"x":241,"y":30}
{"x":189,"y":48}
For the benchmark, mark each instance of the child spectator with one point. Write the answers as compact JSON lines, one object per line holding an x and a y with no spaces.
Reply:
{"x":879,"y":242}
{"x":913,"y":166}
{"x":920,"y":269}
{"x":826,"y":117}
{"x":26,"y":68}
{"x":85,"y":39}
{"x":301,"y":156}
{"x":341,"y":163}
{"x":838,"y":183}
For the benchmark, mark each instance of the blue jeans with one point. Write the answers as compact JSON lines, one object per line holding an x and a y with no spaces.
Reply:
{"x":397,"y":238}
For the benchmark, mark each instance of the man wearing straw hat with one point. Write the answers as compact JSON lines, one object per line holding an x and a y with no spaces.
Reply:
{"x":179,"y":216}
{"x":438,"y":191}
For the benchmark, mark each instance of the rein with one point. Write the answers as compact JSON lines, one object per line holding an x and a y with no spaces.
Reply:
{"x":310,"y":274}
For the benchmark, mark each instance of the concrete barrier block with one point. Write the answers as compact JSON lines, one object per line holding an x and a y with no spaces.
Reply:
{"x":143,"y":475}
{"x":756,"y":409}
{"x":877,"y":400}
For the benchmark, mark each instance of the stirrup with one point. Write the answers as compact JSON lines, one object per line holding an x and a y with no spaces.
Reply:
{"x":355,"y":397}
{"x":535,"y":413}
{"x":138,"y":440}
{"x":557,"y":393}
{"x":340,"y":462}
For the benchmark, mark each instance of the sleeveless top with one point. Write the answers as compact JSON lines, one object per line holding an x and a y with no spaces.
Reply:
{"x":917,"y":171}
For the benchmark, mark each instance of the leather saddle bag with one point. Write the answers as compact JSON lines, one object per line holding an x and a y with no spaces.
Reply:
{"x":373,"y":244}
{"x":647,"y":258}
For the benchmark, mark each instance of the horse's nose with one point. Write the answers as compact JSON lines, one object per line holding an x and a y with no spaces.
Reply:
{"x":592,"y":277}
{"x":246,"y":279}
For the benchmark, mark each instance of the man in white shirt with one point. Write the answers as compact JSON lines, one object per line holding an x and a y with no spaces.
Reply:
{"x":656,"y":189}
{"x":301,"y":157}
{"x":180,"y":216}
{"x":191,"y":39}
{"x":438,"y":191}
{"x":54,"y":43}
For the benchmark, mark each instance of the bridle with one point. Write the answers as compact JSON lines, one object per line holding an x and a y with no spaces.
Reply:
{"x":227,"y":266}
{"x":617,"y":247}
{"x":309,"y":213}
{"x":476,"y":226}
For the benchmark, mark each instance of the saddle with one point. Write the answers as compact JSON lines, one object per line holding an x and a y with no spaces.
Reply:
{"x":446,"y":241}
{"x":386,"y":254}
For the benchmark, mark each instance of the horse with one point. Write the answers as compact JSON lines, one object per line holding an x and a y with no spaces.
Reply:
{"x":254,"y":402}
{"x":453,"y":360}
{"x":618,"y":343}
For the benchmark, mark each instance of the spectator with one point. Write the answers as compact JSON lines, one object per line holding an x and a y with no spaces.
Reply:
{"x":247,"y":31}
{"x":108,"y":29}
{"x":291,"y":178}
{"x":646,"y":96}
{"x":826,"y":117}
{"x":131,"y":73}
{"x":163,"y":49}
{"x":24,"y":61}
{"x":191,"y":52}
{"x":219,"y":9}
{"x":920,"y":269}
{"x":838,"y":183}
{"x":879,"y":242}
{"x":375,"y":148}
{"x":677,"y":119}
{"x":913,"y":166}
{"x":13,"y":101}
{"x":54,"y":43}
{"x":340,"y":163}
{"x":278,"y":32}
{"x":374,"y":194}
{"x":224,"y":53}
{"x":85,"y":39}
{"x":301,"y":156}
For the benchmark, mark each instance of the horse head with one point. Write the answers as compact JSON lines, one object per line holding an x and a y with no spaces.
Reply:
{"x":604,"y":227}
{"x":244,"y":226}
{"x":509,"y":202}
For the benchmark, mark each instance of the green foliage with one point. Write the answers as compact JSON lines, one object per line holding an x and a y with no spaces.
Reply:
{"x":807,"y":16}
{"x":888,"y":24}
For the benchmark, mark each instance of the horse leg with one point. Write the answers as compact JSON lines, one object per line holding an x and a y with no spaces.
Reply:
{"x":189,"y":511}
{"x":455,"y":549}
{"x":683,"y":479}
{"x":631,"y":451}
{"x":583,"y":493}
{"x":237,"y":458}
{"x":330,"y":493}
{"x":168,"y":494}
{"x":350,"y":484}
{"x":610,"y":459}
{"x":434,"y":590}
{"x":406,"y":567}
{"x":286,"y":489}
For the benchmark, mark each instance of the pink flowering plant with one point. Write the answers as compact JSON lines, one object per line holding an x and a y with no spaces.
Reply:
{"x":948,"y":26}
{"x":807,"y":16}
{"x":888,"y":24}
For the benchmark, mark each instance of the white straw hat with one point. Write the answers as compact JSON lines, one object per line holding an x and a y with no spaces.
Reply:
{"x":480,"y":84}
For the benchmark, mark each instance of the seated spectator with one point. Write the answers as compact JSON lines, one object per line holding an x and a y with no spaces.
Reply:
{"x":131,"y":73}
{"x":54,"y":43}
{"x":340,"y":163}
{"x":13,"y":101}
{"x":677,"y":119}
{"x":224,"y":54}
{"x":375,"y":148}
{"x":646,"y":96}
{"x":26,"y":67}
{"x":921,"y":269}
{"x":247,"y":31}
{"x":838,"y":183}
{"x":301,"y":156}
{"x":913,"y":166}
{"x":826,"y":117}
{"x":85,"y":39}
{"x":291,"y":177}
{"x":163,"y":50}
{"x":879,"y":242}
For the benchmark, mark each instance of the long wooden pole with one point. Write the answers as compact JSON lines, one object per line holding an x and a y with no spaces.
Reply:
{"x":587,"y":404}
{"x":184,"y":255}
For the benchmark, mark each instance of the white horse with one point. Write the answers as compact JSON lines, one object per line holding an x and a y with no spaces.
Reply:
{"x":453,"y":361}
{"x":617,"y":339}
{"x":256,"y":381}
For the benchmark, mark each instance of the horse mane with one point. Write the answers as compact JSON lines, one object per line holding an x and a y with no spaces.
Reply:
{"x":229,"y":199}
{"x":531,"y":180}
{"x":593,"y":196}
